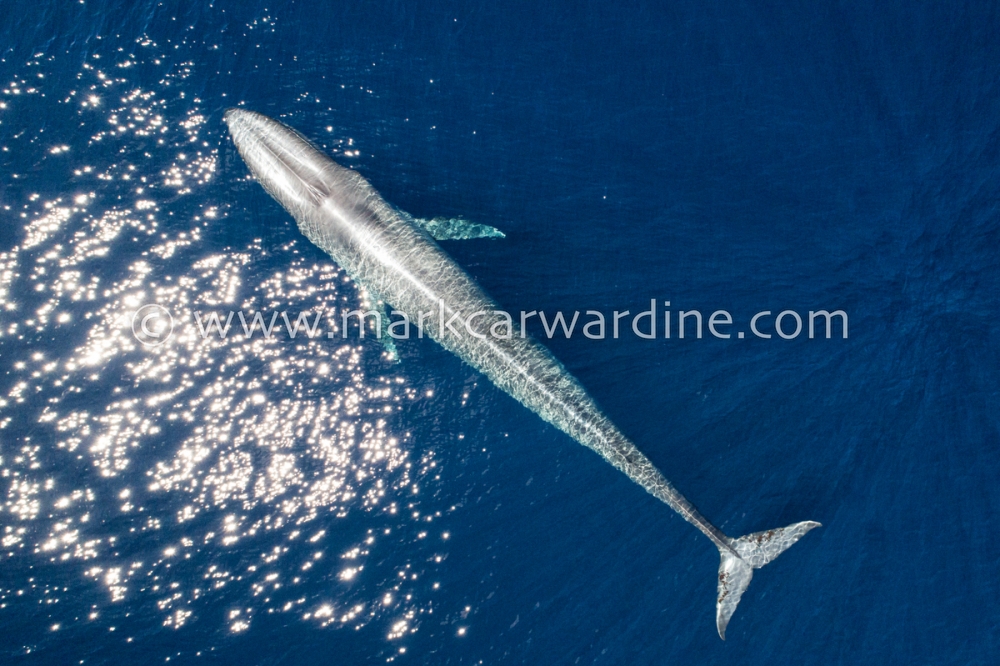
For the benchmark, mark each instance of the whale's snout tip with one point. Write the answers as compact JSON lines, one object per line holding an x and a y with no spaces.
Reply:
{"x":246,"y":123}
{"x":232,"y":114}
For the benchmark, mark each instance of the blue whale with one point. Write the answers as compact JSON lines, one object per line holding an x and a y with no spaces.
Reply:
{"x":396,"y":257}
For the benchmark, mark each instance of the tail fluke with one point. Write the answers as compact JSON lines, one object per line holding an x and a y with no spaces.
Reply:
{"x":748,"y":553}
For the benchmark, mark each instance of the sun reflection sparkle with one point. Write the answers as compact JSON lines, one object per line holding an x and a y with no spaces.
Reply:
{"x":160,"y":472}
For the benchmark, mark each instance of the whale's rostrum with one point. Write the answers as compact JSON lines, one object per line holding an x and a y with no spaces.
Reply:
{"x":395,"y":257}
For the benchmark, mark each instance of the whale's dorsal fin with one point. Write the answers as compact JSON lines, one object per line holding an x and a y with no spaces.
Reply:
{"x":454,"y":228}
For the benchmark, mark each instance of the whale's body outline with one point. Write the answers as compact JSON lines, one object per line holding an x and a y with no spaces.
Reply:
{"x":395,"y":258}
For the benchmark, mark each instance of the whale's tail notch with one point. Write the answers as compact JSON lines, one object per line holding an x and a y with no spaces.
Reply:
{"x":744,"y":555}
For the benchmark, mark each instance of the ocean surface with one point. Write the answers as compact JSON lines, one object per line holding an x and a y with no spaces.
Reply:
{"x":279,"y":500}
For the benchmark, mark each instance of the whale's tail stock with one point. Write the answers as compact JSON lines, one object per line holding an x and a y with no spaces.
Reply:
{"x":744,"y":555}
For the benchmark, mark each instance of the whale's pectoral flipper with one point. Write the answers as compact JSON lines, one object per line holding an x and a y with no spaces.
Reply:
{"x":372,"y":302}
{"x":388,"y":342}
{"x":746,"y":554}
{"x":455,"y":228}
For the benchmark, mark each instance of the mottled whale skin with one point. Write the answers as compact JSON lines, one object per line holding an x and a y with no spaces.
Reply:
{"x":395,"y":258}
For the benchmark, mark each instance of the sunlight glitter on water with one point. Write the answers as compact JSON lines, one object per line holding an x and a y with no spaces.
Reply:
{"x":145,"y":468}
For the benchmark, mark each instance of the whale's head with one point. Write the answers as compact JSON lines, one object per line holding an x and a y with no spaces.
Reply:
{"x":289,"y":167}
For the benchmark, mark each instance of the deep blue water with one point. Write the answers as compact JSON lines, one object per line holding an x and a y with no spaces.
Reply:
{"x":212,"y":502}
